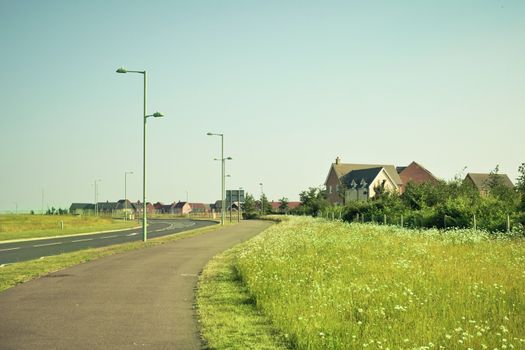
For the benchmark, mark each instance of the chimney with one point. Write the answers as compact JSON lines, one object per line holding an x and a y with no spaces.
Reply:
{"x":337,"y":161}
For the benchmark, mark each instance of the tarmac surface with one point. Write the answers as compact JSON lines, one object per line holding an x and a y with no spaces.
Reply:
{"x":29,"y":249}
{"x":141,"y":299}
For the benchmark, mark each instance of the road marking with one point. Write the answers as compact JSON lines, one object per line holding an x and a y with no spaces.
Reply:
{"x":188,"y":275}
{"x":4,"y":265}
{"x":132,"y":234}
{"x":7,"y":249}
{"x":44,"y":245}
{"x":109,"y":237}
{"x":82,"y":240}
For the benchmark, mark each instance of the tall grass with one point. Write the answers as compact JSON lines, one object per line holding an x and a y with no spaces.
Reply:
{"x":332,"y":285}
{"x":33,"y":226}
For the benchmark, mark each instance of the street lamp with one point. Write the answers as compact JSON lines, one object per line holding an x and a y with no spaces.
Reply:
{"x":126,"y":194}
{"x":223,"y":172}
{"x":96,"y":197}
{"x":262,"y":197}
{"x":155,"y":115}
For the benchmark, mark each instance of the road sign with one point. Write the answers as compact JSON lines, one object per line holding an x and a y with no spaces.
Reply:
{"x":234,"y":196}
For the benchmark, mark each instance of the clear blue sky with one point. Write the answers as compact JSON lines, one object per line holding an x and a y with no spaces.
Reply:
{"x":291,"y":84}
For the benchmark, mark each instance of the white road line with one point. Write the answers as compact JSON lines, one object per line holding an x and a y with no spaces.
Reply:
{"x":82,"y":240}
{"x":132,"y":234}
{"x":8,"y":249}
{"x":44,"y":245}
{"x":109,"y":237}
{"x":3,"y":265}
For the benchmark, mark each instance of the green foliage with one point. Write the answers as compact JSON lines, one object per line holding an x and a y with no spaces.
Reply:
{"x":520,"y":186}
{"x":283,"y":207}
{"x":333,"y":285}
{"x":313,"y":201}
{"x":265,"y":206}
{"x":248,"y":207}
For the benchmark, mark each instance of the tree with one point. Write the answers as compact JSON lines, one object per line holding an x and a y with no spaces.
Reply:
{"x":283,"y":207}
{"x":313,"y":201}
{"x":520,"y":186}
{"x":265,"y":206}
{"x":248,"y":207}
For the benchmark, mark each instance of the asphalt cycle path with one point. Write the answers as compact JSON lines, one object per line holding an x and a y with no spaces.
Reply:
{"x":141,"y":299}
{"x":16,"y":251}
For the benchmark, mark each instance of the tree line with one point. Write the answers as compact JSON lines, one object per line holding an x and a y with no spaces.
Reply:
{"x":445,"y":204}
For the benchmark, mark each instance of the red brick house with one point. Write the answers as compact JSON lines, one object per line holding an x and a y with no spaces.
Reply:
{"x":291,"y":206}
{"x":415,"y":173}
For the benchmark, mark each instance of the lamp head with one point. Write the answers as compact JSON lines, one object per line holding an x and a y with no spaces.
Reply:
{"x":229,"y":158}
{"x":122,"y":70}
{"x":158,"y":115}
{"x":209,"y":134}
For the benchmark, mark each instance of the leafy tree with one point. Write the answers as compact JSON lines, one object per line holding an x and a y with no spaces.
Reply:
{"x":264,"y":205}
{"x":283,"y":207}
{"x":248,"y":207}
{"x":520,"y":186}
{"x":313,"y":201}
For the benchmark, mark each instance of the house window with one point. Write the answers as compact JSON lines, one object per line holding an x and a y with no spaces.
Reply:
{"x":330,"y":189}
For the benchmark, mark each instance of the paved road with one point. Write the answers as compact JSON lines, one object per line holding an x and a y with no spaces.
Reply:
{"x":28,"y":250}
{"x":138,"y":300}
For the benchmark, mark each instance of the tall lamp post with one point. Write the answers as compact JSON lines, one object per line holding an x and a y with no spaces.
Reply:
{"x":155,"y":115}
{"x":126,"y":194}
{"x":222,"y":173}
{"x":96,"y":197}
{"x":262,"y":194}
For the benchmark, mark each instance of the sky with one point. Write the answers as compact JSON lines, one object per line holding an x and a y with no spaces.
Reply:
{"x":291,"y":84}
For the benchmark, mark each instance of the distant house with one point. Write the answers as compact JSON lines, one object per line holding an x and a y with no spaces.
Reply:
{"x":181,"y":208}
{"x":200,"y":208}
{"x":346,"y":181}
{"x":415,"y":173}
{"x":82,"y":208}
{"x":482,"y":181}
{"x":290,"y":206}
{"x":138,"y":208}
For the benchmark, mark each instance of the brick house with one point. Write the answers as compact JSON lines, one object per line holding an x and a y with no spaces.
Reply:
{"x":415,"y":173}
{"x":346,"y":181}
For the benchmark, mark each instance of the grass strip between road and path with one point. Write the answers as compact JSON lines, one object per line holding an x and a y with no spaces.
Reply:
{"x":16,"y":273}
{"x":21,"y":226}
{"x":228,"y":316}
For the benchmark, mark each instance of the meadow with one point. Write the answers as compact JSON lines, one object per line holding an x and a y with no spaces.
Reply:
{"x":333,"y":285}
{"x":23,"y":226}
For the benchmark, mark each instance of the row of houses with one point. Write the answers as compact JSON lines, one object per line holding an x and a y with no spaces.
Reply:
{"x":359,"y":182}
{"x":131,"y":209}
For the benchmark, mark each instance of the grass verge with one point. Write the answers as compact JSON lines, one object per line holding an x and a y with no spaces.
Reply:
{"x":39,"y":226}
{"x":333,"y":285}
{"x":228,"y":316}
{"x":13,"y":274}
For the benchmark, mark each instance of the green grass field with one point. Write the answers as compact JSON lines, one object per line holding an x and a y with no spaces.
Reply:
{"x":332,"y":285}
{"x":37,"y":226}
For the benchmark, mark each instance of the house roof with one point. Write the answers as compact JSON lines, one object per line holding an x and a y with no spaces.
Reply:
{"x":180,"y":205}
{"x":107,"y":205}
{"x":342,"y":169}
{"x":406,"y":173}
{"x":200,"y":206}
{"x":85,"y":206}
{"x":358,"y":178}
{"x":480,"y":180}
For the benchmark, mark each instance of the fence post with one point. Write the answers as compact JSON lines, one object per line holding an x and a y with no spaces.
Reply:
{"x":401,"y":220}
{"x":363,"y":218}
{"x":475,"y":224}
{"x":508,"y":223}
{"x":333,"y":216}
{"x":357,"y":217}
{"x":61,"y":225}
{"x":444,"y":221}
{"x":384,"y":219}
